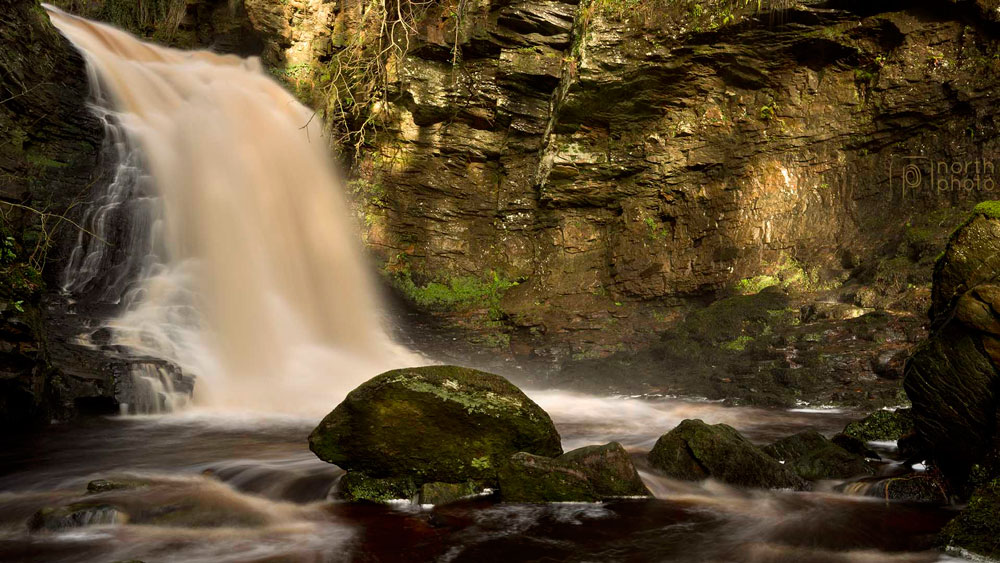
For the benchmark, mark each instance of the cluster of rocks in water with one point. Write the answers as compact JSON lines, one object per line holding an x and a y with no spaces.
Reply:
{"x":440,"y":433}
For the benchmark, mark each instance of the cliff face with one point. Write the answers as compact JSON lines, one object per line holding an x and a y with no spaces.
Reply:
{"x":48,"y":163}
{"x":569,"y":180}
{"x":575,"y":175}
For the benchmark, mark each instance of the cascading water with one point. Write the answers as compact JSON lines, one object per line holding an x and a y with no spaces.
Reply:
{"x":249,"y":276}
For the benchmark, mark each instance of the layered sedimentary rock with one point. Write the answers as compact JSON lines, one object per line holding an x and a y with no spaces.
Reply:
{"x":571,"y":175}
{"x":952,"y":378}
{"x":48,"y":163}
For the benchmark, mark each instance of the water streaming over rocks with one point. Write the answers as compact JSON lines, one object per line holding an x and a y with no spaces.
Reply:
{"x":234,"y":255}
{"x":228,"y":264}
{"x":234,"y":487}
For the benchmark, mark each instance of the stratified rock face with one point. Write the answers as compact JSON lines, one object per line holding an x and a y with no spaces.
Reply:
{"x":810,"y":455}
{"x":438,"y":423}
{"x":694,"y":451}
{"x":583,"y":475}
{"x":48,"y":162}
{"x":618,"y":162}
{"x":952,"y":378}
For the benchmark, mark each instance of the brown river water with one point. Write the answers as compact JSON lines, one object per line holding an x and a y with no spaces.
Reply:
{"x":249,"y":277}
{"x":246,"y":488}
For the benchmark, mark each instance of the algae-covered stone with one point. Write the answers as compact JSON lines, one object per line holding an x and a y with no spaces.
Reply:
{"x":437,"y":423}
{"x":357,"y":486}
{"x":694,"y":451}
{"x":608,"y":468}
{"x":531,"y":478}
{"x":584,"y":474}
{"x":443,"y":493}
{"x":977,"y":528}
{"x":881,"y":426}
{"x":810,"y":455}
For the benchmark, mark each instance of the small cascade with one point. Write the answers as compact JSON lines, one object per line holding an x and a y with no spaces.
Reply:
{"x":118,"y":240}
{"x":152,"y":387}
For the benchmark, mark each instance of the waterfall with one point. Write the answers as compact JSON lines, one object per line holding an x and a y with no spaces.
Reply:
{"x":249,"y":274}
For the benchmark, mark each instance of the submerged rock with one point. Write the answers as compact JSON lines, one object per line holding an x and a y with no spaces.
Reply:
{"x":855,"y":446}
{"x":585,"y":474}
{"x":433,"y":424}
{"x":115,"y":484}
{"x":694,"y":451}
{"x":911,"y":487}
{"x":76,"y":515}
{"x":881,"y":426}
{"x":810,"y":455}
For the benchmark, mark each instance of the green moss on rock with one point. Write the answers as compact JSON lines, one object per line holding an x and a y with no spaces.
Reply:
{"x":695,"y":451}
{"x":443,"y":493}
{"x":531,"y":478}
{"x":990,"y":209}
{"x":881,"y":426}
{"x":810,"y":455}
{"x":358,"y":487}
{"x":977,"y":528}
{"x":609,"y":469}
{"x":437,"y":423}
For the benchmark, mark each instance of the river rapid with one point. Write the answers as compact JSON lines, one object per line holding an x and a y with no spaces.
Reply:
{"x":244,"y":487}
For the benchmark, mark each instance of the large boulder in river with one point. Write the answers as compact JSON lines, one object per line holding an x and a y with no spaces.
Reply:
{"x":443,"y":424}
{"x":811,"y":456}
{"x":585,"y":474}
{"x":694,"y":451}
{"x":952,"y":379}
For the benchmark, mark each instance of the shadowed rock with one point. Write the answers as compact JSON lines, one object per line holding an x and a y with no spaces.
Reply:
{"x":694,"y":451}
{"x":585,"y":474}
{"x":433,"y":424}
{"x":810,"y":455}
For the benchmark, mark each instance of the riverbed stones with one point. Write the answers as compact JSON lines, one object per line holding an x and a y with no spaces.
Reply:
{"x":76,"y":515}
{"x":433,"y":424}
{"x":585,"y":474}
{"x":811,"y":456}
{"x":882,"y":425}
{"x":694,"y":451}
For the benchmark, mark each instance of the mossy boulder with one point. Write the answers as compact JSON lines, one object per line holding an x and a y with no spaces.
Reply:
{"x":695,"y":450}
{"x":881,"y":425}
{"x":433,"y":424}
{"x":977,"y":528}
{"x":356,"y":486}
{"x":531,"y":478}
{"x":443,"y":493}
{"x":609,"y":469}
{"x":811,"y":456}
{"x":585,"y":474}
